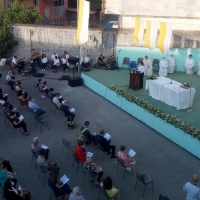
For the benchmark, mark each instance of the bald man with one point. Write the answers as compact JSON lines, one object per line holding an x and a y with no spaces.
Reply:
{"x":192,"y":190}
{"x":76,"y":195}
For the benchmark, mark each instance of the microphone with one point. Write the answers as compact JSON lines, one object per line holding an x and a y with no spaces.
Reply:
{"x":172,"y":78}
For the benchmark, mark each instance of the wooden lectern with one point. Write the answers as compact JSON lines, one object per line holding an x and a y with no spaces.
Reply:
{"x":134,"y":80}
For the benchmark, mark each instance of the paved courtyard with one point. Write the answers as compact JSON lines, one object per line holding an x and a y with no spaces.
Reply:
{"x":168,"y":165}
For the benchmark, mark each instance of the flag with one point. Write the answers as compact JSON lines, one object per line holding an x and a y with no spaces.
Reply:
{"x":139,"y":31}
{"x":151,"y":34}
{"x":164,"y":37}
{"x":83,"y":22}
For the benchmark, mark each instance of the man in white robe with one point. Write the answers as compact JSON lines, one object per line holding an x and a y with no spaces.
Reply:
{"x":171,"y":64}
{"x":198,"y":73}
{"x":189,"y":65}
{"x":163,"y":67}
{"x":148,"y":66}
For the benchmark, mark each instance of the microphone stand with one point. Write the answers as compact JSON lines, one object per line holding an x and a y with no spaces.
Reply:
{"x":117,"y":59}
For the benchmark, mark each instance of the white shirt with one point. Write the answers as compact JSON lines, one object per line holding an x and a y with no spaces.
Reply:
{"x":8,"y":77}
{"x":53,"y":56}
{"x":63,"y":61}
{"x":56,"y":62}
{"x":67,"y":56}
{"x":192,"y":191}
{"x":14,"y":60}
{"x":86,"y":59}
{"x":44,"y":60}
{"x":141,"y":68}
{"x":189,"y":62}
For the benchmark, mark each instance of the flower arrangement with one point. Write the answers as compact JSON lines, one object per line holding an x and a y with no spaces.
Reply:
{"x":72,"y":125}
{"x":173,"y":120}
{"x":152,"y":77}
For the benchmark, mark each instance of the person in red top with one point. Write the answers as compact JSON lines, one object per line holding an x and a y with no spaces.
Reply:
{"x":80,"y":151}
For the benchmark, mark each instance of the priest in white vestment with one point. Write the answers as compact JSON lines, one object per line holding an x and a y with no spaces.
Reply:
{"x":163,"y":67}
{"x":198,"y":73}
{"x":189,"y":65}
{"x":148,"y":66}
{"x":171,"y":64}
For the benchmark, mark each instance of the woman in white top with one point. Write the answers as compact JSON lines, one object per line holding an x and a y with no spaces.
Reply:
{"x":64,"y":63}
{"x":44,"y":62}
{"x":141,"y":70}
{"x":56,"y":64}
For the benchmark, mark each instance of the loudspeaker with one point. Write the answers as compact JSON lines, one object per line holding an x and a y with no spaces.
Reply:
{"x":73,"y":60}
{"x":76,"y":81}
{"x":65,"y":77}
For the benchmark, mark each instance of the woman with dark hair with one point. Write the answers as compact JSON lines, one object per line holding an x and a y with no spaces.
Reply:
{"x":7,"y":108}
{"x":20,"y":90}
{"x":80,"y":151}
{"x":3,"y":97}
{"x":11,"y":193}
{"x":141,"y":70}
{"x":14,"y":118}
{"x":4,"y":175}
{"x":43,"y":62}
{"x":111,"y":191}
{"x":23,"y":100}
{"x":58,"y":188}
{"x":45,"y":89}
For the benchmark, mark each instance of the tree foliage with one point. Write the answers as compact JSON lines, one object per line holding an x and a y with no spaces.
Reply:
{"x":8,"y":17}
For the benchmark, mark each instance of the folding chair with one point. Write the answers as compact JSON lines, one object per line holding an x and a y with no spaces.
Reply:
{"x":89,"y":175}
{"x":99,"y":147}
{"x":126,"y":61}
{"x":143,"y":178}
{"x":76,"y":160}
{"x":103,"y":191}
{"x":42,"y":121}
{"x":70,"y":145}
{"x":156,"y":64}
{"x":34,"y":155}
{"x":121,"y":162}
{"x":44,"y":172}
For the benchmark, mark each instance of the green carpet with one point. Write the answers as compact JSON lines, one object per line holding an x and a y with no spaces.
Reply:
{"x":121,"y":78}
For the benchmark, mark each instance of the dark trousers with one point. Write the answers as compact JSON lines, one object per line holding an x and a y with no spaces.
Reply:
{"x":7,"y":165}
{"x":55,"y":67}
{"x":90,"y":138}
{"x":46,"y":155}
{"x":44,"y":65}
{"x":21,"y":125}
{"x":36,"y":60}
{"x":70,"y":116}
{"x":141,"y":80}
{"x":19,"y":68}
{"x":64,"y":67}
{"x":39,"y":112}
{"x":111,"y":147}
{"x":100,"y":174}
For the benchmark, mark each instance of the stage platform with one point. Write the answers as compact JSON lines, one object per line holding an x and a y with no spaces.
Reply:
{"x":121,"y":78}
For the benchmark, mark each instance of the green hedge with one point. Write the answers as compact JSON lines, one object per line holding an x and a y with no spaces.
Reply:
{"x":173,"y":120}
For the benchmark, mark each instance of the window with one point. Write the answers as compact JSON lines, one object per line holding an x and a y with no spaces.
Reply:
{"x":36,"y":2}
{"x":59,"y":3}
{"x":10,"y":5}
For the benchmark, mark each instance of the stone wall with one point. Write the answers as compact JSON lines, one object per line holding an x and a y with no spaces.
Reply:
{"x":50,"y":39}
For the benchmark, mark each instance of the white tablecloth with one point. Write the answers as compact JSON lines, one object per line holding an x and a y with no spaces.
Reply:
{"x":171,"y":94}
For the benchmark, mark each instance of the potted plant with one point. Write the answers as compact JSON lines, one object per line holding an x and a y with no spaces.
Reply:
{"x":71,"y":125}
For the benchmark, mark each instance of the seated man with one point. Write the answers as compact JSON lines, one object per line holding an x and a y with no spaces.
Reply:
{"x":94,"y":169}
{"x":105,"y":144}
{"x":53,"y":56}
{"x":189,"y":65}
{"x":51,"y":94}
{"x":56,"y":100}
{"x":10,"y":80}
{"x":48,"y":166}
{"x":86,"y":61}
{"x":86,"y":133}
{"x":20,"y":61}
{"x":65,"y":108}
{"x":36,"y":109}
{"x":14,"y":63}
{"x":101,"y":61}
